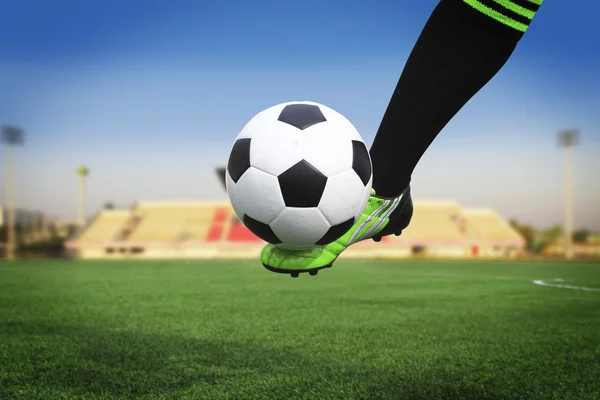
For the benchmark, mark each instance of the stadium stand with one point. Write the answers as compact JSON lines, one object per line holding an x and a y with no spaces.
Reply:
{"x":436,"y":230}
{"x":492,"y":235}
{"x":159,"y":222}
{"x":435,"y":221}
{"x":211,"y":230}
{"x":205,"y":224}
{"x":486,"y":224}
{"x":105,"y":227}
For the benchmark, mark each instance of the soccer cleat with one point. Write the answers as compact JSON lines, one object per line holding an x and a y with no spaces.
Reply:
{"x":382,"y":216}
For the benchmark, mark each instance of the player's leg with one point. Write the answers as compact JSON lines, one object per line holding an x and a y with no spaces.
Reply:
{"x":463,"y":45}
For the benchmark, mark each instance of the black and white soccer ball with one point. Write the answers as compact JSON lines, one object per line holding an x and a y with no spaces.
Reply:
{"x":299,"y":175}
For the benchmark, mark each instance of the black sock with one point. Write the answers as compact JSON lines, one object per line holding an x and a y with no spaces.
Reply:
{"x":462,"y":46}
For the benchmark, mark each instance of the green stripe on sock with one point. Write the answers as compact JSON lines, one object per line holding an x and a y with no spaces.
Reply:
{"x":517,"y":9}
{"x":482,"y":8}
{"x":538,"y":2}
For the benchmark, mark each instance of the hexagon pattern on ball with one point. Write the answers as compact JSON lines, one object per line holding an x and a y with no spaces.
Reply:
{"x":239,"y":158}
{"x":301,"y":116}
{"x":261,"y":196}
{"x":302,"y":185}
{"x":343,"y":197}
{"x":300,"y":228}
{"x":361,"y":161}
{"x":261,"y":230}
{"x":299,"y":176}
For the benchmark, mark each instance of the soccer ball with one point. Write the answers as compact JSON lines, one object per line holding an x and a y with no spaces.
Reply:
{"x":299,"y":175}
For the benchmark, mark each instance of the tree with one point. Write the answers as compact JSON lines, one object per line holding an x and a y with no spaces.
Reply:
{"x":581,"y":235}
{"x":109,"y":206}
{"x":528,"y":233}
{"x":550,"y":236}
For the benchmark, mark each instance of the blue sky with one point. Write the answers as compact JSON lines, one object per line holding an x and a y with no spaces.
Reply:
{"x":150,"y":94}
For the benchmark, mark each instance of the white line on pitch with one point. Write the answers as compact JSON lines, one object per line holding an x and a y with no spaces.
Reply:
{"x":556,"y":285}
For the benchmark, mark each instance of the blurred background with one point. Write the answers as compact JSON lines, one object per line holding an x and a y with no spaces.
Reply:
{"x":116,"y":119}
{"x":117,"y":115}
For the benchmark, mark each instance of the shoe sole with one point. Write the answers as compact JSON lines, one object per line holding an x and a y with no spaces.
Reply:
{"x":294,"y":273}
{"x":377,"y":238}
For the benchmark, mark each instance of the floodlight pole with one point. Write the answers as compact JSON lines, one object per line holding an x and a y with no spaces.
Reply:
{"x":82,"y":172}
{"x":567,"y":139}
{"x":12,"y":137}
{"x":10,"y":203}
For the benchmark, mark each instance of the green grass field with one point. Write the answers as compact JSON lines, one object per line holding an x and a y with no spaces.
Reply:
{"x":362,"y":330}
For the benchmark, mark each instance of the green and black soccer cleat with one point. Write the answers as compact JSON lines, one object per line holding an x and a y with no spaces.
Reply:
{"x":382,"y":216}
